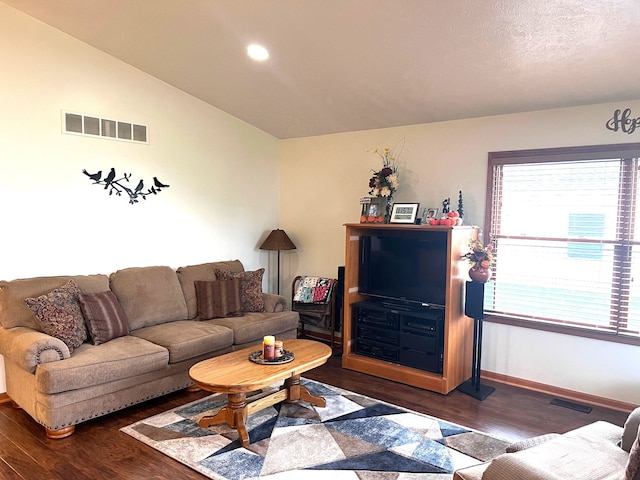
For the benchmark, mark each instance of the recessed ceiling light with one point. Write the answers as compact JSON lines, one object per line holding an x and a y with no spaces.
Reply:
{"x":257,"y":52}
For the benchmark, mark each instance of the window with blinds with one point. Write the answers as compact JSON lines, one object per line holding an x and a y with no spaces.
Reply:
{"x":563,"y":224}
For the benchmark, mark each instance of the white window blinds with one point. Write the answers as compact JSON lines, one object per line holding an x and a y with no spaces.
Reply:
{"x":563,"y":224}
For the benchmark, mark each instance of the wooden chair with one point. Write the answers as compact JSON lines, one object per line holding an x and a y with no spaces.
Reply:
{"x":321,"y":314}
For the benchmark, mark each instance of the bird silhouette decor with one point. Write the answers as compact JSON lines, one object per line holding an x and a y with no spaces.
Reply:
{"x":117,"y":185}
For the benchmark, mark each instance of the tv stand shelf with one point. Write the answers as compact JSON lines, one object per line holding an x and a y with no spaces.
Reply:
{"x":378,"y":355}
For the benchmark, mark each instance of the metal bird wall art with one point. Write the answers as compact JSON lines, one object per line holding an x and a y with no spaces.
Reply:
{"x":118,"y":185}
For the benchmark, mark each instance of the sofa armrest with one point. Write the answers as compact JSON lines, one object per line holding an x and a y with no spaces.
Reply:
{"x":28,"y":348}
{"x":630,"y":430}
{"x":511,"y":466}
{"x":531,"y":442}
{"x":274,"y":303}
{"x":470,"y":473}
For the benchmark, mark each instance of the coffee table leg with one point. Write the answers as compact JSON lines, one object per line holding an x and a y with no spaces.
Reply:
{"x":233,"y":414}
{"x":296,"y":391}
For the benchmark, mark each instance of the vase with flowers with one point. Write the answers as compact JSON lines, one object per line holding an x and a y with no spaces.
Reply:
{"x":384,"y":182}
{"x":480,"y":257}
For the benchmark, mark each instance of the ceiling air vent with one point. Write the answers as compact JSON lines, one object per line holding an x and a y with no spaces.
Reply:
{"x":90,"y":125}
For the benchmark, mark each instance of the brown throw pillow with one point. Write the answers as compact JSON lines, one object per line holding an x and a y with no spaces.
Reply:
{"x":251,"y":297}
{"x":104,"y":316}
{"x":633,"y":465}
{"x":59,"y":314}
{"x":218,"y":298}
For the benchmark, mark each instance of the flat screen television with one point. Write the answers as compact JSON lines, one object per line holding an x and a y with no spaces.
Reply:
{"x":407,"y":268}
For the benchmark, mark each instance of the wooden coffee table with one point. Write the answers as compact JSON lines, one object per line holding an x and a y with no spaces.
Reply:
{"x":236,"y":375}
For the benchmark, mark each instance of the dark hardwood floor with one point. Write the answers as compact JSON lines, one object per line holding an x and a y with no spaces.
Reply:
{"x":97,"y":450}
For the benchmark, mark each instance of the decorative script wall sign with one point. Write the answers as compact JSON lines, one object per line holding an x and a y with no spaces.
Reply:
{"x":114,"y":184}
{"x":622,"y":121}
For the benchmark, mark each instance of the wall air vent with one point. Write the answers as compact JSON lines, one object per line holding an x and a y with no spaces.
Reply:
{"x":90,"y":125}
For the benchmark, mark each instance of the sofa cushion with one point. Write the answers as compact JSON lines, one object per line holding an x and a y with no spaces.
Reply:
{"x":15,"y":313}
{"x":60,"y":315}
{"x":250,"y":288}
{"x":91,"y":365}
{"x":218,"y":298}
{"x":187,"y":339}
{"x":149,"y":295}
{"x":104,"y":316}
{"x":252,"y":327}
{"x":204,"y":271}
{"x":633,"y":465}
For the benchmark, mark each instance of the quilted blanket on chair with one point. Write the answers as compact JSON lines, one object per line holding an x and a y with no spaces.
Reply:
{"x":314,"y":290}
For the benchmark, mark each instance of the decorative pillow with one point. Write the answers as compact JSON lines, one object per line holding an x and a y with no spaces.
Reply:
{"x":104,"y":316}
{"x":633,"y":465}
{"x":251,"y":298}
{"x":218,"y":298}
{"x":60,"y":315}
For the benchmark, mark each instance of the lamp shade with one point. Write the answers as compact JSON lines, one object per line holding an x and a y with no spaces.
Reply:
{"x":277,"y":240}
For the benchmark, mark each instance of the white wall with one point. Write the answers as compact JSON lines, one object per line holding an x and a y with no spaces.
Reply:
{"x":223,"y":198}
{"x":323,"y":177}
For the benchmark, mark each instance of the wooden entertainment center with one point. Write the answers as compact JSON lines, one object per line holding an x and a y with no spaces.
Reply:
{"x":456,"y":351}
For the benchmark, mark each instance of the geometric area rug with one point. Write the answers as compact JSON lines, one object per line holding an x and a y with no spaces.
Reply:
{"x":354,"y":437}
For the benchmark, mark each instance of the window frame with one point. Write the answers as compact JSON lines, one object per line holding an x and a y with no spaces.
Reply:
{"x":559,"y":154}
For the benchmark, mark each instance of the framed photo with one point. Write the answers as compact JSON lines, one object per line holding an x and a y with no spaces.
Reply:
{"x":404,"y":212}
{"x":429,"y":213}
{"x":373,"y":209}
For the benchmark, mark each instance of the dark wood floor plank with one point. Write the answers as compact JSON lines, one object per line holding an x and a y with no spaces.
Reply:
{"x":8,"y":473}
{"x":99,"y":450}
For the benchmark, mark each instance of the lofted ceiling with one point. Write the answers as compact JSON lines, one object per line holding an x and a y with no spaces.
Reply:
{"x":346,"y":65}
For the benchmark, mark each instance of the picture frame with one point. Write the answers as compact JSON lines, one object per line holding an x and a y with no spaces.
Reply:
{"x":373,"y":209}
{"x":429,"y":213}
{"x":404,"y":212}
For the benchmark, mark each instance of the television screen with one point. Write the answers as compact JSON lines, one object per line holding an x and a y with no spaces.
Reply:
{"x":407,"y":267}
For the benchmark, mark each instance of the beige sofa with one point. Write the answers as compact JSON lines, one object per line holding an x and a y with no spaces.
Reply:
{"x":60,"y":389}
{"x":598,"y":451}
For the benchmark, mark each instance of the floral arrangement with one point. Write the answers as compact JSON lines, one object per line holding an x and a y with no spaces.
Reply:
{"x":479,"y":255}
{"x":384,"y":182}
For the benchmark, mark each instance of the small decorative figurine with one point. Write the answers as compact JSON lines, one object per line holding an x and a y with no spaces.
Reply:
{"x":445,"y":205}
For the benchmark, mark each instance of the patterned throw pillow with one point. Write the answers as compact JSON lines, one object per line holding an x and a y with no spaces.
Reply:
{"x":59,"y":314}
{"x":218,"y":298}
{"x":104,"y":316}
{"x":250,"y":288}
{"x":633,"y":466}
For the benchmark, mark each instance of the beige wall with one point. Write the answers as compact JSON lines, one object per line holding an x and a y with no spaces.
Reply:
{"x":323,"y":178}
{"x":223,"y":173}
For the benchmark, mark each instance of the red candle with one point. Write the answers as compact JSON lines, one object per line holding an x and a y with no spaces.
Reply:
{"x":268,"y":351}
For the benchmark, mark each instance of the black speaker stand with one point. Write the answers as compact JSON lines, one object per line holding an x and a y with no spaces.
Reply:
{"x":474,"y":387}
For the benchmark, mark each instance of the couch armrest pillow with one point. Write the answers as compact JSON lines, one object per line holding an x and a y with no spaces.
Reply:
{"x":104,"y":316}
{"x":218,"y":298}
{"x":251,"y":297}
{"x":60,"y":315}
